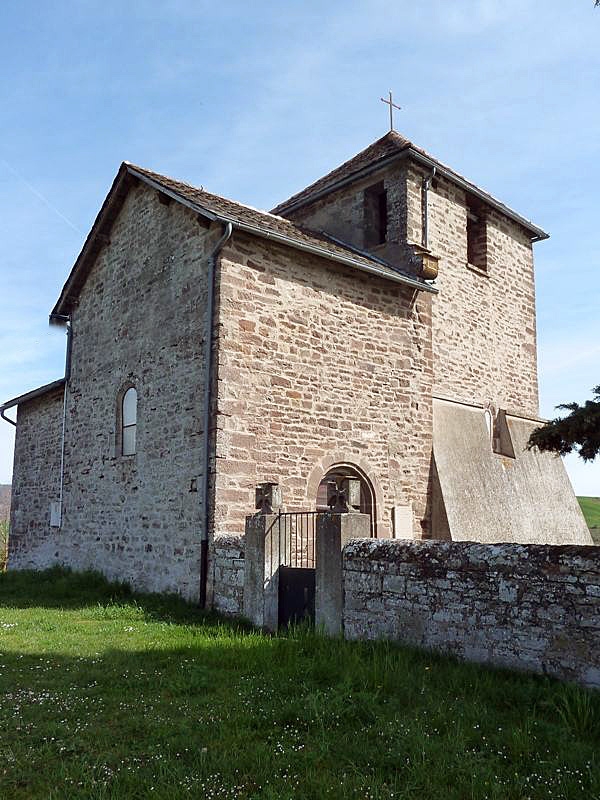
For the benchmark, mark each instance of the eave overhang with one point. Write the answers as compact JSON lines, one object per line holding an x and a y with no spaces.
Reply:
{"x":536,"y":233}
{"x":97,"y":237}
{"x":376,"y":268}
{"x":128,"y":175}
{"x":32,"y":395}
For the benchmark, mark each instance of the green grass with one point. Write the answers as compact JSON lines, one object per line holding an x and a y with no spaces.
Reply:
{"x":3,"y":543}
{"x":591,"y":510}
{"x":107,"y":694}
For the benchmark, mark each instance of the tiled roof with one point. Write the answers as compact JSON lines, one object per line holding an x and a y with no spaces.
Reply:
{"x":264,"y":223}
{"x":33,"y":394}
{"x":386,"y":149}
{"x":389,"y":145}
{"x":212,"y":206}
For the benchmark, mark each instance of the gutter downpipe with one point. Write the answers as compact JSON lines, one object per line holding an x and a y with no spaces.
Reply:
{"x":208,"y":376}
{"x":64,"y":420}
{"x":424,"y":207}
{"x":7,"y":419}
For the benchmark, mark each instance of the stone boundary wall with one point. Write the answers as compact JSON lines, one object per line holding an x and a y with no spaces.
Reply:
{"x":228,"y":574}
{"x":526,"y":607}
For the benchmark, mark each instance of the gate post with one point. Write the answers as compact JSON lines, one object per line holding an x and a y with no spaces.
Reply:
{"x":262,"y":559}
{"x":334,"y":530}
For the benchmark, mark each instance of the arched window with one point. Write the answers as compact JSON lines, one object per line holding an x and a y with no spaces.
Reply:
{"x":128,"y":422}
{"x":340,"y":474}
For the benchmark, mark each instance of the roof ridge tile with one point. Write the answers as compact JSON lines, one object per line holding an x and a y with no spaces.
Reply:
{"x":389,"y":144}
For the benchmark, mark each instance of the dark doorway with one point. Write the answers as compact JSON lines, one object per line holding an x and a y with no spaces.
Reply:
{"x":296,"y":595}
{"x":297,"y":567}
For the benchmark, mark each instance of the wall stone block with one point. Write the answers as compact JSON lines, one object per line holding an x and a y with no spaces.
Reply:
{"x":527,"y":607}
{"x":228,"y":575}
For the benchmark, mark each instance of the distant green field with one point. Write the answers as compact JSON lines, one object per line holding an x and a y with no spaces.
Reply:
{"x":591,"y":510}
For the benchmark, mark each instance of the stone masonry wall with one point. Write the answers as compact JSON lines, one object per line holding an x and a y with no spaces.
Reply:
{"x":342,"y":214}
{"x":36,"y":480}
{"x":139,"y":320}
{"x":318,"y":365}
{"x":228,"y":575}
{"x":527,"y":607}
{"x":484,"y":332}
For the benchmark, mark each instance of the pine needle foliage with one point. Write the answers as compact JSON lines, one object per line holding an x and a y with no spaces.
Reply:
{"x":579,"y":430}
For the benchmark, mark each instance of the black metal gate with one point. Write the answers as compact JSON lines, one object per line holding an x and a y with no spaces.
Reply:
{"x":296,"y":595}
{"x":297,"y":567}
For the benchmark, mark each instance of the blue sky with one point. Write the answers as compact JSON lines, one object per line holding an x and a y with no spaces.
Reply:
{"x":255,"y":100}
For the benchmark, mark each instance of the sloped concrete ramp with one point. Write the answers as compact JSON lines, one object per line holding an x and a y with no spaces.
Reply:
{"x":483,"y":496}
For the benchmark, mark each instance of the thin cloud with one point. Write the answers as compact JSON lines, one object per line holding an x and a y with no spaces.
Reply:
{"x":41,"y":197}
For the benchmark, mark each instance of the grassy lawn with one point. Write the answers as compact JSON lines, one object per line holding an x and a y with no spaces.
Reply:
{"x":591,"y":511}
{"x":3,"y":543}
{"x":106,"y":694}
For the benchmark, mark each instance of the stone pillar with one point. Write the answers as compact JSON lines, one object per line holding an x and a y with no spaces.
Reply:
{"x":334,"y":530}
{"x":264,"y":543}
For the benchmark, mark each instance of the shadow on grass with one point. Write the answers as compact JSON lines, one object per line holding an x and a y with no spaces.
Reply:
{"x":227,"y":643}
{"x":241,"y":712}
{"x":62,"y":588}
{"x":132,"y":706}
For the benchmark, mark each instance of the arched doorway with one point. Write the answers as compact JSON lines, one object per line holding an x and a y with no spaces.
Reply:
{"x":341,"y":473}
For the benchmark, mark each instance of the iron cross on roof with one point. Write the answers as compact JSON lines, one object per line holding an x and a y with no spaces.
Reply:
{"x":392,"y":106}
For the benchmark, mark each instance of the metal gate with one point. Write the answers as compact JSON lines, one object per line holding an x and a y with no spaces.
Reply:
{"x":297,"y":567}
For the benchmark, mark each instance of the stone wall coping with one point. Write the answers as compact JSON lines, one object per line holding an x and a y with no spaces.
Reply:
{"x":436,"y":556}
{"x":230,"y":541}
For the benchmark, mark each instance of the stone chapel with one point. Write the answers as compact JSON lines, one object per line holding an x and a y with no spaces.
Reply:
{"x":379,"y":325}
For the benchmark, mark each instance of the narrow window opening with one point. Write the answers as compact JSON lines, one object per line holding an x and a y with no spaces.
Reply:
{"x":502,"y":440}
{"x":476,"y":236}
{"x":129,"y":422}
{"x":498,"y":431}
{"x":376,"y":215}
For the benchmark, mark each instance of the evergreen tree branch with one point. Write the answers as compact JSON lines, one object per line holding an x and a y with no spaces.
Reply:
{"x":579,"y":430}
